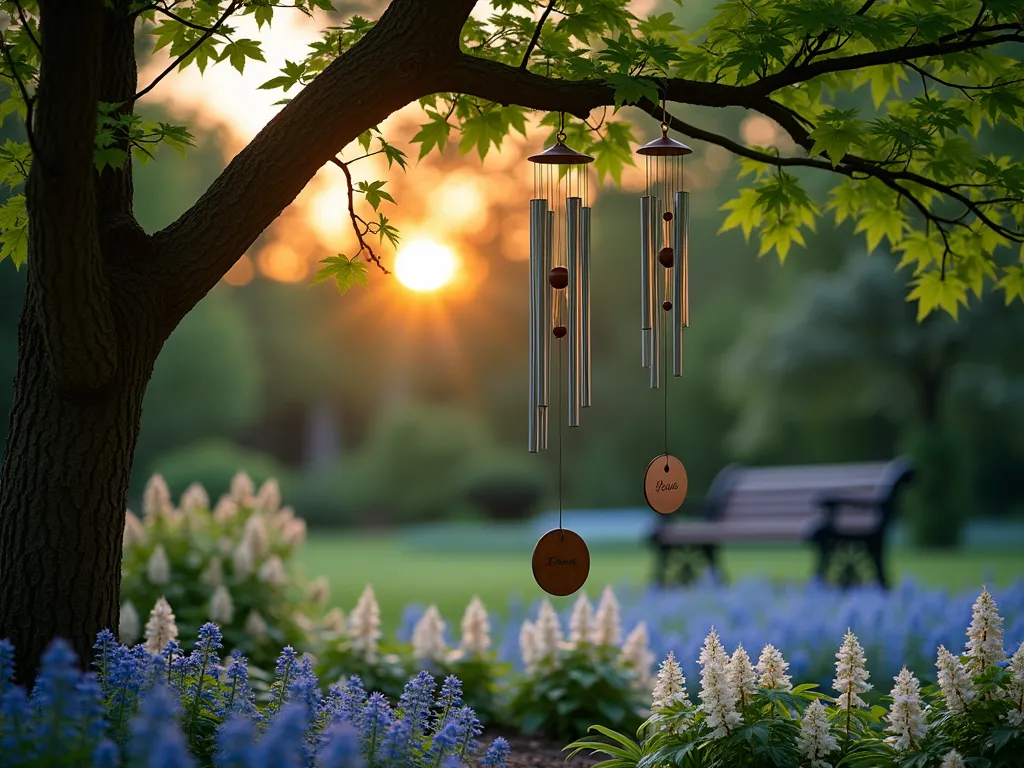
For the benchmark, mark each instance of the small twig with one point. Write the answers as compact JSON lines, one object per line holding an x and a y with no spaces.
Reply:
{"x":180,"y":19}
{"x":202,"y":39}
{"x":26,"y":27}
{"x":536,"y":34}
{"x":26,"y":98}
{"x":356,"y":220}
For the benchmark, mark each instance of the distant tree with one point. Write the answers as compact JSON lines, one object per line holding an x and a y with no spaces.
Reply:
{"x":103,"y":294}
{"x":848,"y":344}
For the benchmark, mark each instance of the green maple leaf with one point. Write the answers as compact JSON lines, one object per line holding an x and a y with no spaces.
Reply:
{"x":744,"y":212}
{"x":374,"y":193}
{"x":14,"y":230}
{"x":882,"y":221}
{"x":1012,"y":283}
{"x":345,"y":271}
{"x":835,"y":133}
{"x":632,"y":90}
{"x":920,"y":250}
{"x":237,"y":51}
{"x":432,"y":134}
{"x":932,"y":290}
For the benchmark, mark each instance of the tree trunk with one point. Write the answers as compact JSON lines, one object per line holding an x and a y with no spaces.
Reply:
{"x":63,"y":490}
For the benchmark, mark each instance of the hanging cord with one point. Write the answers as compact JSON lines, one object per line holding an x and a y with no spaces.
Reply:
{"x":560,"y":435}
{"x":664,"y":376}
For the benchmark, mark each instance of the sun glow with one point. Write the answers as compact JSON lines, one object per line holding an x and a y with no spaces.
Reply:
{"x":424,"y":265}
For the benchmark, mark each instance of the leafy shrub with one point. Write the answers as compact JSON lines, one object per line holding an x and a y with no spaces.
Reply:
{"x":232,"y":565}
{"x":568,"y":685}
{"x":176,"y":709}
{"x":752,"y":717}
{"x":502,"y":488}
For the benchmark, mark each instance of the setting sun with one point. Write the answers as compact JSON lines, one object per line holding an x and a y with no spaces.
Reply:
{"x":424,"y":265}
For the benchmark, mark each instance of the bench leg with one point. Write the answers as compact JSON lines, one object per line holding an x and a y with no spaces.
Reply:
{"x":661,"y":566}
{"x":824,"y":557}
{"x":875,"y":546}
{"x":710,"y":552}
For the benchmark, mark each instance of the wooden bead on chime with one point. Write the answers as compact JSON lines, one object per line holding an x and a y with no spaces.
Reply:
{"x":559,"y":278}
{"x":559,"y":331}
{"x":666,"y":305}
{"x":666,"y":257}
{"x":667,"y":215}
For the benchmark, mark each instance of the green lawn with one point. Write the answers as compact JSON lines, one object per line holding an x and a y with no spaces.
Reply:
{"x":401,"y":574}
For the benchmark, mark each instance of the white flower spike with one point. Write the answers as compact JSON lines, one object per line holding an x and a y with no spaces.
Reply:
{"x":528,"y":646}
{"x":129,"y":625}
{"x":476,"y":629}
{"x":955,"y":681}
{"x":268,"y":499}
{"x":134,"y":532}
{"x":194,"y":498}
{"x":156,"y":500}
{"x":428,"y":637}
{"x":160,"y":629}
{"x":718,"y":694}
{"x":547,"y":631}
{"x":213,"y":574}
{"x":953,"y":759}
{"x":255,"y":626}
{"x":816,"y":741}
{"x":985,"y":635}
{"x":607,"y":623}
{"x":222,"y":607}
{"x":741,"y":675}
{"x":851,"y":678}
{"x":670,"y":685}
{"x":581,"y":623}
{"x":242,"y":489}
{"x":637,"y":654}
{"x":771,"y":670}
{"x":906,"y":716}
{"x":272,"y":572}
{"x":364,"y":625}
{"x":1015,"y":716}
{"x":158,"y":567}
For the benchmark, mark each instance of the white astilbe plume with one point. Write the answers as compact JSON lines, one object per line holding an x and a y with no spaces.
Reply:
{"x":364,"y":625}
{"x":294,"y":532}
{"x":851,"y":678}
{"x":213,"y":573}
{"x":548,"y":631}
{"x":134,"y":533}
{"x":955,"y":681}
{"x":428,"y":636}
{"x":528,"y":645}
{"x":243,"y":560}
{"x":319,"y":591}
{"x":128,"y":626}
{"x":815,"y":740}
{"x":1016,"y":688}
{"x":225,"y":511}
{"x":160,"y":629}
{"x":953,"y":759}
{"x":255,"y":533}
{"x":581,"y":622}
{"x":741,"y":675}
{"x":242,"y":489}
{"x":718,"y":694}
{"x":670,"y":685}
{"x":272,"y":572}
{"x":222,"y":607}
{"x":476,"y":629}
{"x":158,"y":567}
{"x":156,"y":500}
{"x":334,"y":621}
{"x":194,"y":498}
{"x":771,"y":670}
{"x":906,"y":716}
{"x":637,"y":654}
{"x":268,"y":498}
{"x":985,"y":635}
{"x":255,"y":626}
{"x":607,"y":623}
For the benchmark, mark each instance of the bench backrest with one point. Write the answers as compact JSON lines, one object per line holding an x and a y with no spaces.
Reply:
{"x":794,"y":493}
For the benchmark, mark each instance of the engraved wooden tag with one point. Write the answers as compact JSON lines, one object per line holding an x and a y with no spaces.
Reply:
{"x":665,"y":484}
{"x":561,"y":562}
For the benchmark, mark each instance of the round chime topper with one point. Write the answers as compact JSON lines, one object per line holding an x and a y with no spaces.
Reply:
{"x":561,"y":562}
{"x":665,"y":484}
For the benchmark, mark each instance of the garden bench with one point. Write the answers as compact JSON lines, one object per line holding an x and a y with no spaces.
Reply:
{"x":843,"y":510}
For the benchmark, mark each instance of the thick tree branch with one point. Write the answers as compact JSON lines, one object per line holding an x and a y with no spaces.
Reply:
{"x":118,"y":80}
{"x":65,"y":266}
{"x":397,"y":62}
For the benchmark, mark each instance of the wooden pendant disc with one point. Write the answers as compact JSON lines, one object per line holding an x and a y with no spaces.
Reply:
{"x":665,"y":484}
{"x":561,"y":562}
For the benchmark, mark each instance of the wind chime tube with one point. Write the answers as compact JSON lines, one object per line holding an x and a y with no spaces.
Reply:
{"x":537,"y":221}
{"x":585,"y":271}
{"x":678,"y":277}
{"x":548,"y":232}
{"x":652,"y":289}
{"x":575,"y":313}
{"x":646,"y":251}
{"x":684,"y":256}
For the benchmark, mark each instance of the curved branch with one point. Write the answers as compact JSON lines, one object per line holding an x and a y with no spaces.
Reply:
{"x":363,"y":245}
{"x":536,"y":34}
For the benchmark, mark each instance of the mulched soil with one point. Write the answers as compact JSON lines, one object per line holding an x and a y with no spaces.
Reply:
{"x":539,"y":752}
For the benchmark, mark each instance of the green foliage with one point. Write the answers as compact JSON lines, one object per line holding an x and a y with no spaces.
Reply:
{"x":243,"y":546}
{"x":575,"y":687}
{"x":212,"y":463}
{"x":937,"y":502}
{"x":345,"y":271}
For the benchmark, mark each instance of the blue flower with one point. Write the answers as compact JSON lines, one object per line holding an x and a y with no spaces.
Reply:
{"x":341,"y":748}
{"x":416,"y":701}
{"x":450,"y":697}
{"x":16,"y":733}
{"x":283,"y":745}
{"x":238,"y":695}
{"x":235,"y":740}
{"x":397,"y":746}
{"x":374,"y":724}
{"x":55,"y":699}
{"x":156,"y":741}
{"x":446,"y":741}
{"x":496,"y":754}
{"x":105,"y":755}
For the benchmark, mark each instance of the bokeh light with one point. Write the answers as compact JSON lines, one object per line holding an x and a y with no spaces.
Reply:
{"x":424,"y":265}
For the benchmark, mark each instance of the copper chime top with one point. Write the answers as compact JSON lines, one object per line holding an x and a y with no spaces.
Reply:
{"x":560,"y":154}
{"x":664,"y":146}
